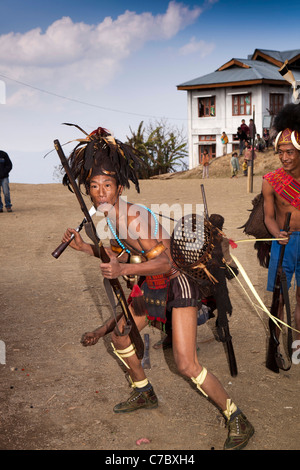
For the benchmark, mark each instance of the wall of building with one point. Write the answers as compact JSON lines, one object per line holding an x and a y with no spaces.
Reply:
{"x":224,"y":121}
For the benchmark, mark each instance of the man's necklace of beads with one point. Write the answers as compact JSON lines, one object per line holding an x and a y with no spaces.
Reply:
{"x":116,"y":236}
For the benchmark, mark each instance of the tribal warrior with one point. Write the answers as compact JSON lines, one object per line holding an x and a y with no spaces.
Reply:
{"x":105,"y":166}
{"x":281,"y":192}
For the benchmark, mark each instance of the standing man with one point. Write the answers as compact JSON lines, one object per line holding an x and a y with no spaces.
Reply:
{"x":242,"y":136}
{"x":281,"y":191}
{"x":205,"y":164}
{"x":5,"y":168}
{"x":252,"y":131}
{"x":245,"y":128}
{"x":105,"y":166}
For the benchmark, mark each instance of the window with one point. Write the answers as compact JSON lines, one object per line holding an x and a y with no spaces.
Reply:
{"x":207,"y":138}
{"x":241,"y":105}
{"x":276,"y":102}
{"x":207,"y":107}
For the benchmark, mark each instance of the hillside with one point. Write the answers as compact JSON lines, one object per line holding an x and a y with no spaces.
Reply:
{"x":220,"y":167}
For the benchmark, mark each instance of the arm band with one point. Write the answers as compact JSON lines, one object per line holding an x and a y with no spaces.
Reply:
{"x":155,"y":251}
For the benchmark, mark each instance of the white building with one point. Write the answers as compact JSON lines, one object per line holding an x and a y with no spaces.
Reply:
{"x":240,"y":89}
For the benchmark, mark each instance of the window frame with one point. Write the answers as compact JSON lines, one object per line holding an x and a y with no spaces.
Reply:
{"x":275,"y":109}
{"x":241,"y":106}
{"x":207,"y":106}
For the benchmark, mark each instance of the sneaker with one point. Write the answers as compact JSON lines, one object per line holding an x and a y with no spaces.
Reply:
{"x":240,"y":430}
{"x":138,"y":400}
{"x":9,"y":209}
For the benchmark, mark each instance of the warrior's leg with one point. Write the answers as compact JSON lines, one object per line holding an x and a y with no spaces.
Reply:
{"x":184,"y":328}
{"x":143,"y":395}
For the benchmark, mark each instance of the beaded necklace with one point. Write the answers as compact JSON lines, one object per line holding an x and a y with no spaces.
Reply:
{"x":117,"y":238}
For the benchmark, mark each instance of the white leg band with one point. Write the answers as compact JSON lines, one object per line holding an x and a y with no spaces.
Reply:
{"x":230,"y":408}
{"x":121,"y":353}
{"x":200,"y":379}
{"x":140,"y":384}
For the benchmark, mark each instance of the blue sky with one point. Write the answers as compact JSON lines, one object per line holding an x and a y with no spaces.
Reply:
{"x":115,"y":64}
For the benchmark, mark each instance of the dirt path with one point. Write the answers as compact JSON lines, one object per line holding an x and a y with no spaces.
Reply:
{"x":55,"y":394}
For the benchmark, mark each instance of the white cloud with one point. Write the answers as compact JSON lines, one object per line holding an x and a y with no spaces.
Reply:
{"x":201,"y":48}
{"x":89,"y":55}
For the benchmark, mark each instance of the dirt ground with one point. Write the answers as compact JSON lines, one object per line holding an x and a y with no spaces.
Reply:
{"x":57,"y":395}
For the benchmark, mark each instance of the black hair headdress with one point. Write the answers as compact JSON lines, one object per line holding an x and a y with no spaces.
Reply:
{"x":100,"y":153}
{"x":287,"y":125}
{"x":288,"y":117}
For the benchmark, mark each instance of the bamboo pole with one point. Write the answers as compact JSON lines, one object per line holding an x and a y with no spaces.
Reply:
{"x":250,"y":173}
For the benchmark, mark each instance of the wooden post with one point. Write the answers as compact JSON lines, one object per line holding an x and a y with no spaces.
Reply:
{"x":250,"y":173}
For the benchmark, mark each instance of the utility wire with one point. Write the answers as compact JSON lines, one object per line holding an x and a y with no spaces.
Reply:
{"x":74,"y":100}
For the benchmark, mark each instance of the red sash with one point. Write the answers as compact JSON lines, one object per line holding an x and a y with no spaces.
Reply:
{"x":285,"y":185}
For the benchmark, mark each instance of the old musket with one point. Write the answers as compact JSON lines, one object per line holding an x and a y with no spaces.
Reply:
{"x":130,"y":327}
{"x":223,"y":329}
{"x":274,"y":360}
{"x":61,"y":248}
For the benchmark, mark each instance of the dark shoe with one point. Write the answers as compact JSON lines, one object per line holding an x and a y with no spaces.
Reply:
{"x":9,"y":209}
{"x":138,"y":400}
{"x":240,"y":430}
{"x":1,"y":210}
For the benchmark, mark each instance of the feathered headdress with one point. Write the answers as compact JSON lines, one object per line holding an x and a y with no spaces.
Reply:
{"x":100,"y":153}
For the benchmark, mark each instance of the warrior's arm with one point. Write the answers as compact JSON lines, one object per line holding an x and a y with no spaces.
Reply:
{"x":270,"y":212}
{"x":80,"y":245}
{"x":159,"y":265}
{"x":92,"y":337}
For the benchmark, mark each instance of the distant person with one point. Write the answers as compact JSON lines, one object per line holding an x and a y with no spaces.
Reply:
{"x":224,"y":140}
{"x":235,"y":166}
{"x":252,"y":130}
{"x":205,"y":163}
{"x":242,"y":136}
{"x":259,"y":143}
{"x":245,"y":167}
{"x":266,"y":137}
{"x":250,"y":154}
{"x":5,"y":168}
{"x":244,"y":127}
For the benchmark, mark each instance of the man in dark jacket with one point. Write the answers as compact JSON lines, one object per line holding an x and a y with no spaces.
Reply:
{"x":242,"y":136}
{"x":5,"y":168}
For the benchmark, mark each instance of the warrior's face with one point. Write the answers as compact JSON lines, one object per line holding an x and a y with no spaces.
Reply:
{"x":289,"y":157}
{"x":104,"y":192}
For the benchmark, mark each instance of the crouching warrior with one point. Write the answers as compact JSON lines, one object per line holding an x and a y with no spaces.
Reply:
{"x":105,"y":166}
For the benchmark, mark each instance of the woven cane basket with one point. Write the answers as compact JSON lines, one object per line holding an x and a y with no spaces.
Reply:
{"x":192,"y":245}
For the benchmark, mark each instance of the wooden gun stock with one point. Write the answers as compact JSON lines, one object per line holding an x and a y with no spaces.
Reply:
{"x":274,"y":360}
{"x":204,"y":202}
{"x":223,"y":331}
{"x":134,"y":333}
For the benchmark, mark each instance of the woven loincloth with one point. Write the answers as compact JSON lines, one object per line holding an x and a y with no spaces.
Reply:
{"x":155,"y":290}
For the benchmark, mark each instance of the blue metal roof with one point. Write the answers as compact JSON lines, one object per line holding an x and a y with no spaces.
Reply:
{"x":254,"y":70}
{"x":281,"y":56}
